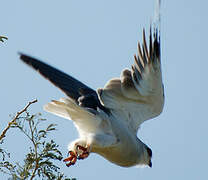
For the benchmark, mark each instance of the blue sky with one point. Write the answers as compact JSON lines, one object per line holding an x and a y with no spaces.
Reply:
{"x":93,"y":41}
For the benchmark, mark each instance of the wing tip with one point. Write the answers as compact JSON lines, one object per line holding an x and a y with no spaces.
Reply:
{"x":156,"y":42}
{"x":146,"y":55}
{"x":21,"y":55}
{"x":25,"y":58}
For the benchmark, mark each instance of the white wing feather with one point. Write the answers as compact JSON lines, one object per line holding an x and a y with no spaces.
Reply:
{"x":138,"y":94}
{"x":88,"y":124}
{"x":84,"y":120}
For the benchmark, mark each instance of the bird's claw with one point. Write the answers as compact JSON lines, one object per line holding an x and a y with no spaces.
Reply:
{"x":81,"y":153}
{"x":84,"y":152}
{"x":71,"y":159}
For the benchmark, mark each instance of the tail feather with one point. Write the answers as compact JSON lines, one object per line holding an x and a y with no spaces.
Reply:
{"x":57,"y":110}
{"x":67,"y":108}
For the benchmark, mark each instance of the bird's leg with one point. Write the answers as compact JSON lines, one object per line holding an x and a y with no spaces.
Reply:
{"x":78,"y":152}
{"x":71,"y":159}
{"x":85,"y":151}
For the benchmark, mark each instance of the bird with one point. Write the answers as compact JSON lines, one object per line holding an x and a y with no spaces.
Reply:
{"x":107,"y":119}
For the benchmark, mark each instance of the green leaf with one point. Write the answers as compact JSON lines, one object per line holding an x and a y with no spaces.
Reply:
{"x":41,"y":160}
{"x":2,"y":38}
{"x":51,"y":127}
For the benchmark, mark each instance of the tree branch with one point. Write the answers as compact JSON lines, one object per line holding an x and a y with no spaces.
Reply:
{"x":35,"y":149}
{"x":3,"y":134}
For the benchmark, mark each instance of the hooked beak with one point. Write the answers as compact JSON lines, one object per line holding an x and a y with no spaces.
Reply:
{"x":150,"y":164}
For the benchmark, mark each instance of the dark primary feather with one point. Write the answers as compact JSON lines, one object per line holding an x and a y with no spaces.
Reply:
{"x":73,"y":88}
{"x":146,"y":57}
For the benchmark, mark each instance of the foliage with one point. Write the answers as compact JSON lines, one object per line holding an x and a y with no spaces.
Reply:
{"x":40,"y":160}
{"x":2,"y":38}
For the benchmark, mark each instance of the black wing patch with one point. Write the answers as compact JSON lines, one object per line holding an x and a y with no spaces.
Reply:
{"x":82,"y":94}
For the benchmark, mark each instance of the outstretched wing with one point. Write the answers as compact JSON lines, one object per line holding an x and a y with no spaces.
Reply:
{"x":79,"y":92}
{"x":138,"y":94}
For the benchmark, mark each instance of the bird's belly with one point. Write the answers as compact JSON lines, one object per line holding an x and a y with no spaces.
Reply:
{"x":125,"y":151}
{"x":120,"y":156}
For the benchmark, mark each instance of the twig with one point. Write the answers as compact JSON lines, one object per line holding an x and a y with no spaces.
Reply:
{"x":15,"y":118}
{"x":35,"y":150}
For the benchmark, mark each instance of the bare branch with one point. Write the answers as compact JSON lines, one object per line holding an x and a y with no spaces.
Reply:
{"x":13,"y":121}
